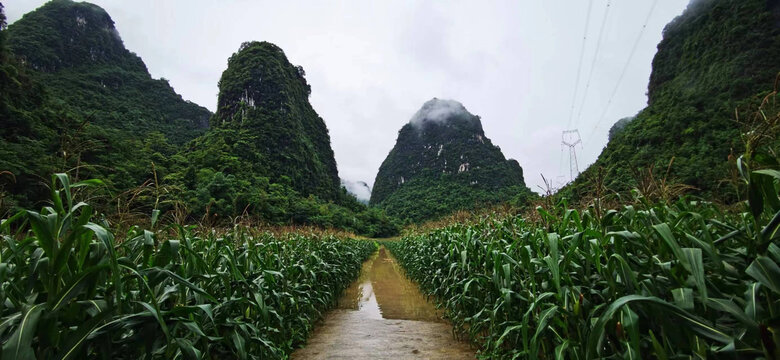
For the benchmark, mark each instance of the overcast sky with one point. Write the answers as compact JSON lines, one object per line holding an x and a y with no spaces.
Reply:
{"x":372,"y":65}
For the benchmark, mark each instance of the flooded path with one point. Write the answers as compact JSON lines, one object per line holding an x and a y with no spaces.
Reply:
{"x":383,"y":315}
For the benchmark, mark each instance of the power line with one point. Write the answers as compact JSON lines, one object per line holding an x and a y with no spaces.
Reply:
{"x":625,"y":69}
{"x":593,"y":63}
{"x":579,"y":67}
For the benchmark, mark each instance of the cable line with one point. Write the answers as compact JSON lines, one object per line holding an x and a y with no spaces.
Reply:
{"x":593,"y":63}
{"x":625,"y":69}
{"x":579,"y":67}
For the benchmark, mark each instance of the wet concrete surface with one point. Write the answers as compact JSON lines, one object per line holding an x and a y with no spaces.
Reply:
{"x":383,"y":315}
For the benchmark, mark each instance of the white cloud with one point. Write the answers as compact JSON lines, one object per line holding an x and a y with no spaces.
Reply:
{"x":359,"y":189}
{"x":438,"y":110}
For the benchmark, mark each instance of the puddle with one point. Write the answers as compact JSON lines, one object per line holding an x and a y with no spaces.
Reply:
{"x":383,"y":315}
{"x":383,"y":292}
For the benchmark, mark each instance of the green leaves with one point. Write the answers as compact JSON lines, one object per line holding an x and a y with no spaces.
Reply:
{"x":74,"y":289}
{"x":545,"y":316}
{"x":683,"y":297}
{"x":656,"y":281}
{"x":71,"y":291}
{"x":18,"y":346}
{"x":766,"y":272}
{"x":691,"y":322}
{"x":77,"y":339}
{"x":181,"y":307}
{"x":665,"y":232}
{"x":762,"y":191}
{"x":696,"y":267}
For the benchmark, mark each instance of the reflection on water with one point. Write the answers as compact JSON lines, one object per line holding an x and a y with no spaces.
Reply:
{"x":383,"y":292}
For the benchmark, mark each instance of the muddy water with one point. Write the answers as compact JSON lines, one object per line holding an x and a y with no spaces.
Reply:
{"x":383,"y":292}
{"x":383,"y":315}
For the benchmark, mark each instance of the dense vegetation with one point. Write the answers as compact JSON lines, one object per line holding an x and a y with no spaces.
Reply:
{"x":655,"y":275}
{"x":264,"y":107}
{"x":100,"y":113}
{"x":642,"y":274}
{"x":76,"y":100}
{"x":442,"y":162}
{"x":27,"y":126}
{"x":718,"y":56}
{"x":684,"y":279}
{"x":268,"y":154}
{"x":74,"y":289}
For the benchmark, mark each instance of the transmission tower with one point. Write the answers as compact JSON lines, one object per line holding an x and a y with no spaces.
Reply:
{"x":571,"y":138}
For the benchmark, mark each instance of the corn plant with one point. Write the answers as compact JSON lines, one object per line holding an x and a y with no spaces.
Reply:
{"x":645,"y":280}
{"x":71,"y":291}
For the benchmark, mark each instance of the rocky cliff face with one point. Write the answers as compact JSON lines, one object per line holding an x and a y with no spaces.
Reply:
{"x":444,"y":160}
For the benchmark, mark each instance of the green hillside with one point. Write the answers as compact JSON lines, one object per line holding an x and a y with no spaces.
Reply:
{"x":27,"y":130}
{"x":442,"y":162}
{"x":265,"y":100}
{"x":268,"y":153}
{"x":96,"y":111}
{"x":76,"y":100}
{"x":718,"y":56}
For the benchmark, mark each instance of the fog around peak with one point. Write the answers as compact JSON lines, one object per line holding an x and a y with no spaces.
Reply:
{"x":439,"y":111}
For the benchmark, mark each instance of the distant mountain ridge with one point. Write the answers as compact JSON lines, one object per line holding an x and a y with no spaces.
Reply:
{"x":441,"y":162}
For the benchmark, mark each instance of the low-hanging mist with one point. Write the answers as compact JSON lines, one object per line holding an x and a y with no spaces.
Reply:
{"x":359,"y":189}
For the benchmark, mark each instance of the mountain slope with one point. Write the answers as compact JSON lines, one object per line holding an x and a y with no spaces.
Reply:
{"x":443,"y":162}
{"x":267,"y":154}
{"x":28,"y":130}
{"x":119,"y":117}
{"x":265,"y":120}
{"x":75,"y":100}
{"x":718,"y":56}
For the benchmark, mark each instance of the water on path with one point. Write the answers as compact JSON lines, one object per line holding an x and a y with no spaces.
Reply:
{"x":383,"y":315}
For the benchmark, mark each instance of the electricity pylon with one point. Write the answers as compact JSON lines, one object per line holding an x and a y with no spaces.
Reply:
{"x":571,"y":138}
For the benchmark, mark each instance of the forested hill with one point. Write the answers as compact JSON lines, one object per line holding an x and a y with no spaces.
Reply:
{"x":264,"y":104}
{"x":442,"y":162}
{"x":75,"y":100}
{"x":79,"y":54}
{"x":718,"y":56}
{"x":268,"y":153}
{"x":107,"y":117}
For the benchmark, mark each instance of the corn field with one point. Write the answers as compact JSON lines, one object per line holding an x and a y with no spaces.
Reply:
{"x":664,"y":281}
{"x":70,"y":290}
